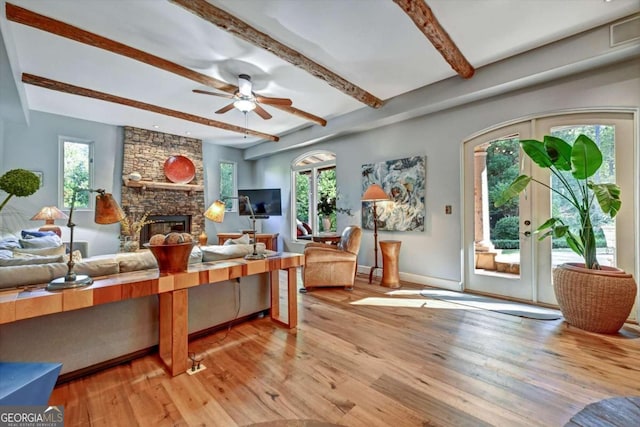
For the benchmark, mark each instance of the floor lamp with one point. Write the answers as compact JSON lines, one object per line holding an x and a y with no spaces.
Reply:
{"x":374,"y":194}
{"x":215,"y":213}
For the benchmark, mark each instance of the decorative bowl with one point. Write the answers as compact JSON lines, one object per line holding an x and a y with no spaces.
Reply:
{"x":171,"y":258}
{"x":179,"y":169}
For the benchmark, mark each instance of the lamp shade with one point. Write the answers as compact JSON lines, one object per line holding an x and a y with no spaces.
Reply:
{"x":374,"y":193}
{"x":49,"y":214}
{"x":108,"y":211}
{"x":215,"y":212}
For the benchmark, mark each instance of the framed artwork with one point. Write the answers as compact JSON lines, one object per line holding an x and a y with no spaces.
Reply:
{"x":404,"y":180}
{"x":40,"y":175}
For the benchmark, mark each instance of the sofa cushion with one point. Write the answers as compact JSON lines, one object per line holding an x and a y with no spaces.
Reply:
{"x":60,"y":250}
{"x":98,"y":266}
{"x":28,"y":259}
{"x":220,"y":252}
{"x":133,"y":261}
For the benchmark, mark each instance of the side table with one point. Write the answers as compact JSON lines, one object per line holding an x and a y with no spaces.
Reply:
{"x":390,"y":253}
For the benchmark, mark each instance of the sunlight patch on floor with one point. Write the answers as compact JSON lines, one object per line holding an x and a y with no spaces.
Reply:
{"x":411,"y":303}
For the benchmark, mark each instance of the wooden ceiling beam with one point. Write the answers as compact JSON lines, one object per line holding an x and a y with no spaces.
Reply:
{"x":26,"y":17}
{"x":102,"y":96}
{"x":421,"y":15}
{"x":244,"y":31}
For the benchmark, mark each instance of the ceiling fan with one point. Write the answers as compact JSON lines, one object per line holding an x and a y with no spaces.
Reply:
{"x":245,"y":100}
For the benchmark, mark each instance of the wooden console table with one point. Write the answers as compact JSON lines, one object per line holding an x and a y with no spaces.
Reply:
{"x":172,"y":291}
{"x":270,"y":240}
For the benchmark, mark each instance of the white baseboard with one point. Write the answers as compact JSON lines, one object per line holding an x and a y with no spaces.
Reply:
{"x":416,"y":278}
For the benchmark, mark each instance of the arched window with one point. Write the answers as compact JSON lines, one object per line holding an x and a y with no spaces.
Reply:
{"x":314,"y":194}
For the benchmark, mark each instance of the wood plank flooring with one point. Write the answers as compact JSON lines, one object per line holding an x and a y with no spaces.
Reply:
{"x":368,"y":358}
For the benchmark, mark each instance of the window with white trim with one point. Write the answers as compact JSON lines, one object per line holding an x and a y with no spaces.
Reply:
{"x":314,"y":194}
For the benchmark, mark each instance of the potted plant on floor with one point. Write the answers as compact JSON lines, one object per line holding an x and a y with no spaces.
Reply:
{"x":591,"y":297}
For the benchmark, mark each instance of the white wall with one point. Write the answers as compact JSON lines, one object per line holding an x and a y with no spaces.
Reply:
{"x":436,"y":252}
{"x":35,"y":147}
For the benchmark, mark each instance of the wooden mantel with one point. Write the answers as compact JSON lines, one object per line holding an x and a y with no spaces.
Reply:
{"x":144,"y":184}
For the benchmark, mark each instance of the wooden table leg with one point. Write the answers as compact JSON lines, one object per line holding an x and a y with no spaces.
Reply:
{"x":173,"y":341}
{"x":292,"y":302}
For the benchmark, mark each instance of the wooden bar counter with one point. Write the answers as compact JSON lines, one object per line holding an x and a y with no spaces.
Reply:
{"x":172,"y":288}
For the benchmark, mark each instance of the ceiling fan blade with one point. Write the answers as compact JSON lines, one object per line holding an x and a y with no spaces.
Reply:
{"x":274,"y":101}
{"x":262,"y":112}
{"x":225,"y":109}
{"x":206,"y":92}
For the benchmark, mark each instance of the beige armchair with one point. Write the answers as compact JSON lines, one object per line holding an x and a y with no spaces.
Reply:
{"x":329,"y":265}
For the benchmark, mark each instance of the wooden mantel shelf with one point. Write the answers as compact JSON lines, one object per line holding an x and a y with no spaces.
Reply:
{"x":145,"y":185}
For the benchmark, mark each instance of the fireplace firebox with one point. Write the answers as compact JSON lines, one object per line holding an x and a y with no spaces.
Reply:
{"x":165,"y":224}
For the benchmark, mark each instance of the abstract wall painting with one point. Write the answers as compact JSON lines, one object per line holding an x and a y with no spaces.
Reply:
{"x":404,"y":181}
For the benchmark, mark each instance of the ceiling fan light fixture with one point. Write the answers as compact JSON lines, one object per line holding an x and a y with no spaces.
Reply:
{"x":244,"y":105}
{"x":244,"y":85}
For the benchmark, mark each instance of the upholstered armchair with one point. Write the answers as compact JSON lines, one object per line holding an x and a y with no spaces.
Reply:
{"x":333,"y":265}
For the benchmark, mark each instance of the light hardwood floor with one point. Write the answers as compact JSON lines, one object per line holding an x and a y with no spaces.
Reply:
{"x":366,"y":358}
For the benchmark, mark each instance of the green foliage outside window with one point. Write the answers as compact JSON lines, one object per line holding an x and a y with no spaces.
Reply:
{"x":76,"y":172}
{"x":227,"y":183}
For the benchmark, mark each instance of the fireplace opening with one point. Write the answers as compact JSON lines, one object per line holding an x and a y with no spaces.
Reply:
{"x":165,"y":224}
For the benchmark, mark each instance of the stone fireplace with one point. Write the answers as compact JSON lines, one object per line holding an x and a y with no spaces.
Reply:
{"x":145,"y":152}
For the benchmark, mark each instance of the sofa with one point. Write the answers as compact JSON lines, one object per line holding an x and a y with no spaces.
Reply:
{"x":92,"y":338}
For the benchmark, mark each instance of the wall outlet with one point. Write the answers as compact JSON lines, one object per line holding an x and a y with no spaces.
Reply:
{"x":196,"y":369}
{"x":447,"y":209}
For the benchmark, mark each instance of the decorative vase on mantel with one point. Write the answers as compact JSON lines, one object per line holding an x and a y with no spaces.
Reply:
{"x":129,"y":244}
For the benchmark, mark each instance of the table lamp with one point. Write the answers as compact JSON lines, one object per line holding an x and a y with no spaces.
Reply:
{"x":374,"y":194}
{"x":48,"y":214}
{"x":107,"y":211}
{"x":215,"y":213}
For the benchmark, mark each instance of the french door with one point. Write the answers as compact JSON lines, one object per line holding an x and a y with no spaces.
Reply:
{"x":503,"y":255}
{"x":497,"y":241}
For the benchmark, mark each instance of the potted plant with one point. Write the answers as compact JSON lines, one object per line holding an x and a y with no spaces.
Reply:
{"x":19,"y":183}
{"x":590,"y":296}
{"x":326,"y":207}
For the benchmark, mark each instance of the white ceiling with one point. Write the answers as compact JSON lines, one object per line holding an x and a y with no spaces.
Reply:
{"x":371,"y":43}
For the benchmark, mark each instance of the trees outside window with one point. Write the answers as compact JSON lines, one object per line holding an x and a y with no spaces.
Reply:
{"x":228,"y":184}
{"x":77,"y":171}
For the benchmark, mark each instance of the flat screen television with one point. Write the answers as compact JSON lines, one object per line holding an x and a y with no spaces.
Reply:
{"x":265,"y":202}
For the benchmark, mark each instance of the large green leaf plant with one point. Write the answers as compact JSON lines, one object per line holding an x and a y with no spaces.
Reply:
{"x":573,"y":165}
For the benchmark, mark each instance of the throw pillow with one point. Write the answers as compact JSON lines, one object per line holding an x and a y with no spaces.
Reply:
{"x":77,"y":257}
{"x":242,"y":240}
{"x":32,"y":233}
{"x":302,"y":231}
{"x":48,"y":241}
{"x":9,"y":243}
